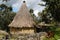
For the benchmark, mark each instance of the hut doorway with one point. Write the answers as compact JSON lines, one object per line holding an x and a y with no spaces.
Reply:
{"x":38,"y":30}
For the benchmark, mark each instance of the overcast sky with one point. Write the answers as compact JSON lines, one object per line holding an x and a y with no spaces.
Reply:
{"x":16,"y":4}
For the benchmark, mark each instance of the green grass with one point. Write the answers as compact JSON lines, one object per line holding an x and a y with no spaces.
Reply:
{"x":57,"y":36}
{"x":56,"y":31}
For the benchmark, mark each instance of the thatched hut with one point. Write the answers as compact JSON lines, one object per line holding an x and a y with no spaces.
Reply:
{"x":23,"y":22}
{"x":43,"y":27}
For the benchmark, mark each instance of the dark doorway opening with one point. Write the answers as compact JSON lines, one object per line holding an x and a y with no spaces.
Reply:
{"x":38,"y":30}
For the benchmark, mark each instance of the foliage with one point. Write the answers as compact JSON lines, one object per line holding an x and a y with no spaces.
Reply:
{"x":6,"y":16}
{"x":53,"y":7}
{"x":33,"y":15}
{"x":45,"y":17}
{"x":51,"y":15}
{"x":31,"y":10}
{"x":5,"y":8}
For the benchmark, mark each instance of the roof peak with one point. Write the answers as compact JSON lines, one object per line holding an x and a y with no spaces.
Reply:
{"x":23,"y":1}
{"x":23,"y":18}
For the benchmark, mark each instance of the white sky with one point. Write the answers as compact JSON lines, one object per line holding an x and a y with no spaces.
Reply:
{"x":30,"y":4}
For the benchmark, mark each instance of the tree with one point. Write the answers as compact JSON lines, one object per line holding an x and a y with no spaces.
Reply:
{"x":33,"y":15}
{"x":6,"y":16}
{"x":53,"y":7}
{"x":31,"y":11}
{"x":5,"y":8}
{"x":44,"y":16}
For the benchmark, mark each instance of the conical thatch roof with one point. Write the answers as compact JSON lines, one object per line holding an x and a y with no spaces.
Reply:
{"x":23,"y":18}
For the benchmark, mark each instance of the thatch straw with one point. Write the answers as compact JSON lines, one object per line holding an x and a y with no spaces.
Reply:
{"x":23,"y":18}
{"x":44,"y":24}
